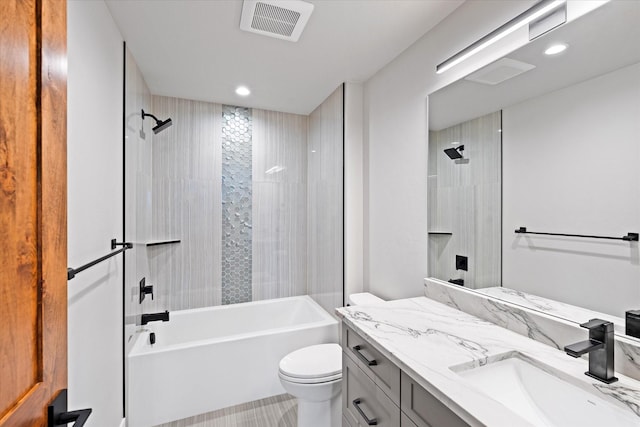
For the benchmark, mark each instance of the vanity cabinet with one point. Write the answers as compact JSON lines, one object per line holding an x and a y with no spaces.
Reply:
{"x":381,"y":370}
{"x":376,"y":392}
{"x":364,"y":403}
{"x":406,"y":421}
{"x":422,"y":408}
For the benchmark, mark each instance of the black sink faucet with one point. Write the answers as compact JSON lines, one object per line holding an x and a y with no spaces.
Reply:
{"x":600,"y":349}
{"x":152,"y":317}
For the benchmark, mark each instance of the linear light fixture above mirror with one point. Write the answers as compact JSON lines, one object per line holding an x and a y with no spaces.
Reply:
{"x":536,"y":11}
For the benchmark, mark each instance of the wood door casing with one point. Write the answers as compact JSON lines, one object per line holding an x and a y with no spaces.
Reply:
{"x":33,"y":235}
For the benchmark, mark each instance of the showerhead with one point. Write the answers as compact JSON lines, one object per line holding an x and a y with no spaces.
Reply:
{"x":454,"y":153}
{"x":160,"y":124}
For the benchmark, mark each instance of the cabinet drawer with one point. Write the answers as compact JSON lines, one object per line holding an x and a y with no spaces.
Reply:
{"x":423,"y":408}
{"x":385,"y":374}
{"x":405,"y":421}
{"x":345,"y":423}
{"x":362,"y":401}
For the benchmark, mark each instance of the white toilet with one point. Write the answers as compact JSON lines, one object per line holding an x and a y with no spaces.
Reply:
{"x":314,"y":376}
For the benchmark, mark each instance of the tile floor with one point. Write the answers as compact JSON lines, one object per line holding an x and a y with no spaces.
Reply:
{"x":276,"y":411}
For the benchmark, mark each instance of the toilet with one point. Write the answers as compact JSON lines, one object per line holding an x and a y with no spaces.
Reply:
{"x":313,"y":375}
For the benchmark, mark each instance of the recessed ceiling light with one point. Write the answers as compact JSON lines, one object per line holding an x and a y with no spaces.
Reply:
{"x":243,"y":91}
{"x":555,"y":49}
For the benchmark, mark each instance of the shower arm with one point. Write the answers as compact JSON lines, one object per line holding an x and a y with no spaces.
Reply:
{"x":150,"y":115}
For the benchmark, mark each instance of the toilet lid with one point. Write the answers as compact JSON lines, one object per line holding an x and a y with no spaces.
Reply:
{"x":316,"y":361}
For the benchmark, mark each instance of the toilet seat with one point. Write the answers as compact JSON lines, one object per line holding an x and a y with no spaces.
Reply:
{"x":311,"y":365}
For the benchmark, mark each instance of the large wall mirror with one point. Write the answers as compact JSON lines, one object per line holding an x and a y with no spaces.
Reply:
{"x":551,"y":143}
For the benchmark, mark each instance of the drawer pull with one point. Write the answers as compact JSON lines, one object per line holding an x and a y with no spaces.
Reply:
{"x":361,"y":356}
{"x":372,"y":421}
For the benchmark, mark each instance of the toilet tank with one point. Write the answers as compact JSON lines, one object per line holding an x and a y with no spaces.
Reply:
{"x":364,"y":298}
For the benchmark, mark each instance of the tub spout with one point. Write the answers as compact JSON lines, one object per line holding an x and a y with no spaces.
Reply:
{"x":153,"y":317}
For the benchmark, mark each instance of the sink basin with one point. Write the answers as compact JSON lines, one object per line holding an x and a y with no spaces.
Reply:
{"x":544,"y":396}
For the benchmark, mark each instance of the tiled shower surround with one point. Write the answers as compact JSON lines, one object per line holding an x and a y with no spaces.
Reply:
{"x":236,"y":204}
{"x":254,"y":196}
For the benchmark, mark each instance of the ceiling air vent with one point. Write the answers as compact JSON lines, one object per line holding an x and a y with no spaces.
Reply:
{"x":499,"y":71}
{"x":282,"y":19}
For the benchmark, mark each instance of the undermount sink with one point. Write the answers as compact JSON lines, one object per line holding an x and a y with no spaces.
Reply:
{"x":544,"y":396}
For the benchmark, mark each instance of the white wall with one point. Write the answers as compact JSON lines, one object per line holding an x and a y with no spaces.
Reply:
{"x":571,"y":166}
{"x":94,"y":149}
{"x":395,"y":218}
{"x":353,"y":186}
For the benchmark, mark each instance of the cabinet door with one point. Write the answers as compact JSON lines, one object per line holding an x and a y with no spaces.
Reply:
{"x":383,"y":372}
{"x":363,"y":403}
{"x":423,"y":408}
{"x":405,"y":421}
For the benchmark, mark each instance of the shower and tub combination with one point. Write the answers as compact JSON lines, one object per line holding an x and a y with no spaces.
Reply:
{"x":235,"y":216}
{"x":211,"y":358}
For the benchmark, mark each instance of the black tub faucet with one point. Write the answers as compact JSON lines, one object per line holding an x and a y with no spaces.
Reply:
{"x":153,"y":317}
{"x":600,"y":349}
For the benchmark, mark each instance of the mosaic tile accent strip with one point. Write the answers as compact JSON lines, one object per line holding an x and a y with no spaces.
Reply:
{"x":236,"y":204}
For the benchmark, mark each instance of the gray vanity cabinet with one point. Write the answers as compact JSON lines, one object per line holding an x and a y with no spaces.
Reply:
{"x":406,"y":421}
{"x":376,"y":392}
{"x":423,"y":409}
{"x":363,"y":402}
{"x":384,"y":373}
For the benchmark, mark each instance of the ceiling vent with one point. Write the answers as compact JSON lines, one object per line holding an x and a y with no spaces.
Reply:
{"x":282,"y":19}
{"x":499,"y":71}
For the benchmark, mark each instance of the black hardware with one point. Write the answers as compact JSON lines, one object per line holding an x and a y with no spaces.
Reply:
{"x":152,"y":338}
{"x":369,"y":421}
{"x":362,"y":357}
{"x":144,"y":290}
{"x":461,"y":262}
{"x":630,"y":237}
{"x":154,"y":317}
{"x":632,"y":323}
{"x":57,"y":414}
{"x":160,"y":124}
{"x":459,"y":282}
{"x":125,"y":245}
{"x":583,"y":347}
{"x":454,"y":153}
{"x":71,"y":272}
{"x":164,"y":242}
{"x":599,"y":346}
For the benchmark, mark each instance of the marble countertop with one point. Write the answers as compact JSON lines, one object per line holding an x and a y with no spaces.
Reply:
{"x":554,"y":308}
{"x":426,"y":338}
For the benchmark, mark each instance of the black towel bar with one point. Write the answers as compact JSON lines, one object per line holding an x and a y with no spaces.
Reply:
{"x":71,"y":272}
{"x":630,"y":237}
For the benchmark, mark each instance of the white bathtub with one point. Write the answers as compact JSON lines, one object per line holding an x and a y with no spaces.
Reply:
{"x":211,"y":358}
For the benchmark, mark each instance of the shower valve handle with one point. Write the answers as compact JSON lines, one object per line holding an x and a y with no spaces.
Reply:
{"x":145,"y":290}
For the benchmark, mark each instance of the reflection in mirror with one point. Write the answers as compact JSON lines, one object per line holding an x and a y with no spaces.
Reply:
{"x":570,"y":153}
{"x":464,"y":202}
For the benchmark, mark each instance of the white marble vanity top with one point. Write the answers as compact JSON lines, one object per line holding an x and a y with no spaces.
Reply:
{"x":549,"y":306}
{"x":425,"y":338}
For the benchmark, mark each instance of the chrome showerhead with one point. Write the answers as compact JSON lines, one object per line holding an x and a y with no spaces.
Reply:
{"x":160,"y":124}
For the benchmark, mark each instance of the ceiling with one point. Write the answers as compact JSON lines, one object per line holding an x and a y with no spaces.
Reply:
{"x":600,"y":42}
{"x":196,"y":50}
